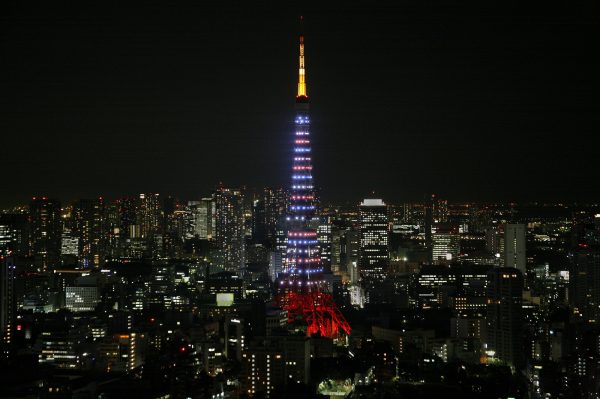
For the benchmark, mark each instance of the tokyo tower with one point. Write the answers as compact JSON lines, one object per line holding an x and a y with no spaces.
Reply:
{"x":302,"y":289}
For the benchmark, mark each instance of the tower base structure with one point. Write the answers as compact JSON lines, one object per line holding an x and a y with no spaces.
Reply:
{"x":318,"y":310}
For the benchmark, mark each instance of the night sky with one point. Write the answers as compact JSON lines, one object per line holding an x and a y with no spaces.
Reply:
{"x":470,"y":100}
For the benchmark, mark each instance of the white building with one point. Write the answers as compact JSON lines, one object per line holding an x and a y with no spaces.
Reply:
{"x":69,"y":243}
{"x":81,"y":299}
{"x":446,"y":245}
{"x":374,"y":239}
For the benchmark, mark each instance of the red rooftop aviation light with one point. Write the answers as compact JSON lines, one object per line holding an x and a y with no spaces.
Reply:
{"x":302,"y":289}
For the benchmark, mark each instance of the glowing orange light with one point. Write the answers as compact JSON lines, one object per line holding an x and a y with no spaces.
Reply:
{"x":302,"y":71}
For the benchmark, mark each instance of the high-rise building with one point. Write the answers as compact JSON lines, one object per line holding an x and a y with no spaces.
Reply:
{"x":435,"y":212}
{"x":302,"y":288}
{"x":189,"y":219}
{"x":584,"y":285}
{"x":374,"y":239}
{"x":234,"y":327}
{"x":128,"y":220}
{"x":494,"y":242}
{"x":149,"y":215}
{"x":275,"y":208}
{"x":259,"y":228}
{"x":445,"y":243}
{"x":10,"y":235}
{"x":504,"y":319}
{"x":7,"y":302}
{"x":45,"y":229}
{"x":14,"y":240}
{"x":514,"y":247}
{"x":7,"y":238}
{"x":268,"y":212}
{"x":169,"y":206}
{"x":439,"y":210}
{"x":229,"y":229}
{"x":204,"y":218}
{"x":275,"y":264}
{"x":349,"y":250}
{"x":324,"y":238}
{"x":90,"y":227}
{"x":69,"y":243}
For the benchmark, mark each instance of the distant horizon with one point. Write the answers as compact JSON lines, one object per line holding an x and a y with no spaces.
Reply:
{"x":324,"y":202}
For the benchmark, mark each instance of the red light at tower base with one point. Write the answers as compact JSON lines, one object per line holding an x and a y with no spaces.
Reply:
{"x":318,"y":310}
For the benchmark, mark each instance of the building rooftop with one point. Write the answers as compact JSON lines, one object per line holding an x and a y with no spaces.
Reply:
{"x":372,"y":202}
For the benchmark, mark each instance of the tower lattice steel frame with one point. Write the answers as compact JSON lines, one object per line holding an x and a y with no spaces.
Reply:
{"x":302,"y":289}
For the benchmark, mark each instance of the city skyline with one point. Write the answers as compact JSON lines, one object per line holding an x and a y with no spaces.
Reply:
{"x":130,"y":272}
{"x":109,"y":102}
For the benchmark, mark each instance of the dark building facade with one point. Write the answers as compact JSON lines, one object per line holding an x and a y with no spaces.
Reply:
{"x":504,"y":320}
{"x":90,"y":227}
{"x":230,"y":231}
{"x":45,"y":232}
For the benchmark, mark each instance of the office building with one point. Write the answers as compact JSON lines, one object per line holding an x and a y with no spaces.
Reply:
{"x":81,"y":299}
{"x":225,"y":283}
{"x":120,"y":352}
{"x":268,"y":213}
{"x":229,"y":229}
{"x":128,"y":223}
{"x":445,"y":244}
{"x":69,"y":243}
{"x":45,"y":229}
{"x":324,"y":238}
{"x":274,"y":363}
{"x":514,"y":247}
{"x":349,"y":244}
{"x":14,"y":236}
{"x":149,"y":215}
{"x":90,"y":227}
{"x":60,"y":344}
{"x":374,"y":239}
{"x":234,"y":327}
{"x":204,"y":219}
{"x":7,"y":302}
{"x":504,"y":319}
{"x":584,"y":285}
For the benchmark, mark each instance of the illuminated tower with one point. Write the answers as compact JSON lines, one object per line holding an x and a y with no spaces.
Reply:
{"x":302,"y":287}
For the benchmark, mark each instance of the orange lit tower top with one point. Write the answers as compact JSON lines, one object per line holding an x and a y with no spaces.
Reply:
{"x":302,"y":96}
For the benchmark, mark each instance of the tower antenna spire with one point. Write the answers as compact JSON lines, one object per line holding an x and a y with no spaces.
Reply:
{"x":301,"y":69}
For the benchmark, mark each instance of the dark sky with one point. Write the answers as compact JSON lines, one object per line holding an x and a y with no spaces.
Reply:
{"x":472,"y":100}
